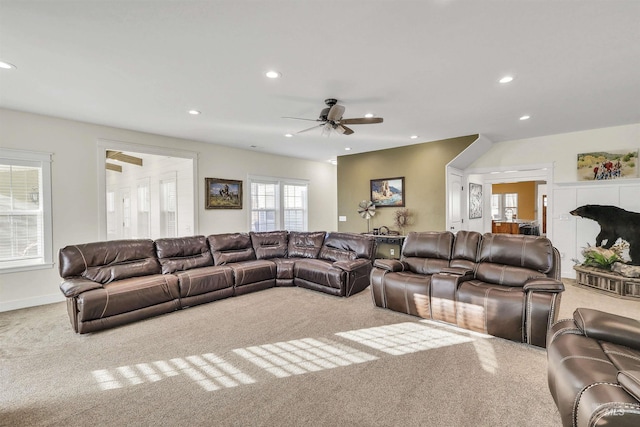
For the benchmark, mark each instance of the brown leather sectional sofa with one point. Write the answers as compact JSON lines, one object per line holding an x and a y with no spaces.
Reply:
{"x":594,"y":369}
{"x":499,"y":284}
{"x":116,"y":282}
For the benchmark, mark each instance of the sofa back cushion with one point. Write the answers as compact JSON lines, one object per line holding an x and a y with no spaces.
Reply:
{"x":270,"y":244}
{"x":305,"y":244}
{"x":511,"y":260}
{"x":427,"y":252}
{"x":104,"y":262}
{"x":466,"y":246}
{"x":183,"y":253}
{"x":347,"y":247}
{"x":532,"y":252}
{"x":231,"y":247}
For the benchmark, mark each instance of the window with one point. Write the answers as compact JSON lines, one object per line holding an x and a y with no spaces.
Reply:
{"x":25,"y":210}
{"x":278,"y":204}
{"x":504,"y":206}
{"x":168,"y":208}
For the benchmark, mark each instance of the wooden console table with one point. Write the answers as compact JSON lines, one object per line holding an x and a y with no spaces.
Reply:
{"x":388,"y":246}
{"x":607,"y":281}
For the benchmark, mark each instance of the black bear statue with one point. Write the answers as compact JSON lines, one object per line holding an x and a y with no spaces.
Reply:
{"x":614,"y":223}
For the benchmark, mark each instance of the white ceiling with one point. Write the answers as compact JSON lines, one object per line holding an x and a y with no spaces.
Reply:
{"x":430,"y":68}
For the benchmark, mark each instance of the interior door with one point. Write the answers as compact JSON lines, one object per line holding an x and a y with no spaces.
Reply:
{"x":454,"y":198}
{"x":125,"y":212}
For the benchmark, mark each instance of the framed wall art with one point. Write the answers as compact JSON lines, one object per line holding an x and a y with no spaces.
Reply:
{"x":222,"y":193}
{"x":610,"y":164}
{"x":387,"y":192}
{"x":475,"y":201}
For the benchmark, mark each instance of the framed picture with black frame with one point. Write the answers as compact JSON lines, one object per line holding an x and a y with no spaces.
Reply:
{"x":388,"y":192}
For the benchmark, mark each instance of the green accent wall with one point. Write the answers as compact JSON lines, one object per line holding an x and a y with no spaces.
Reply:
{"x":423,"y":167}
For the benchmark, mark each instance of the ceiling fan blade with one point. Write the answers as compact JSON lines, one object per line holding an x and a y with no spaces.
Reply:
{"x":347,"y":131}
{"x":300,"y":118}
{"x":335,"y":113}
{"x":361,"y":121}
{"x":311,"y":128}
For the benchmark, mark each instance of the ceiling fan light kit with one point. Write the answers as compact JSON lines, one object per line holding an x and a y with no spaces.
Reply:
{"x":330,"y":118}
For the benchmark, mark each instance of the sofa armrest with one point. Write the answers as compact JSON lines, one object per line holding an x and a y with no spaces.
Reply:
{"x":608,"y":327}
{"x":389,"y":264}
{"x":630,"y":381}
{"x":456,"y":271}
{"x":74,"y":287}
{"x":352,"y":265}
{"x":543,"y":285}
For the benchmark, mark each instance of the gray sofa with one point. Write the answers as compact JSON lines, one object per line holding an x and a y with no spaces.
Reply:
{"x":111,"y":283}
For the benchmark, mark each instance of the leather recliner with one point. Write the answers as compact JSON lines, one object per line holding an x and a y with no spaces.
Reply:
{"x":503,"y":285}
{"x":594,"y":369}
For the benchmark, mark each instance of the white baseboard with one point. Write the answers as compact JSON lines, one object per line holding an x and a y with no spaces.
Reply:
{"x":30,"y":302}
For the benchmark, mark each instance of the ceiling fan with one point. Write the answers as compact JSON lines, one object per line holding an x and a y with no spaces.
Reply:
{"x":331,"y":119}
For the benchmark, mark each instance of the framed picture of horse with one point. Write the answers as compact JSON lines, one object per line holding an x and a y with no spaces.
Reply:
{"x":222,"y":193}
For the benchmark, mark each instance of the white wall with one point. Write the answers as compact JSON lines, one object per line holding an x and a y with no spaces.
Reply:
{"x":568,"y":233}
{"x":75,"y":183}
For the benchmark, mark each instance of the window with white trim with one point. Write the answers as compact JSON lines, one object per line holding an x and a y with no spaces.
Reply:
{"x":25,"y":210}
{"x":278,"y":204}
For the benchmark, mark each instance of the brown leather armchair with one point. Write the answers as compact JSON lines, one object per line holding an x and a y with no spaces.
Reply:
{"x":594,"y":369}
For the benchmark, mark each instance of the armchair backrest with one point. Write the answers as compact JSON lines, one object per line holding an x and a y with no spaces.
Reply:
{"x":183,"y":253}
{"x":427,"y":252}
{"x":104,"y":262}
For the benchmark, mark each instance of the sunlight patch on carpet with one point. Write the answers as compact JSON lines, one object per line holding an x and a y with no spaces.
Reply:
{"x":209,"y":371}
{"x":297,"y":357}
{"x":404,"y":338}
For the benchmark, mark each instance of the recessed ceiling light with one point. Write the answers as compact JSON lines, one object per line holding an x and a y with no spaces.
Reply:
{"x":194,"y":112}
{"x":273,"y":74}
{"x":7,"y":66}
{"x":347,"y":148}
{"x":414,"y":137}
{"x":288,"y":135}
{"x":525,"y":117}
{"x":506,"y":79}
{"x":368,"y":115}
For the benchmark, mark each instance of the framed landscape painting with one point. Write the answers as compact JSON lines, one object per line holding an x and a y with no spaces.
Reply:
{"x":606,"y":165}
{"x":222,"y":194}
{"x":387,"y":192}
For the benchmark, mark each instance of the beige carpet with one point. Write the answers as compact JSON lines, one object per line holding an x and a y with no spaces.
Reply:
{"x":284,"y":356}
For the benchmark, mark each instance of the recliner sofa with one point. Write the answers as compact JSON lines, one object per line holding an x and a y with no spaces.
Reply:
{"x":499,"y":284}
{"x":116,"y":282}
{"x":594,"y":369}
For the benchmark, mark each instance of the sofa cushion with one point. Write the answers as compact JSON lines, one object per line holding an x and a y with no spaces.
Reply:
{"x":305,"y":244}
{"x":127,"y":295}
{"x":231,"y":247}
{"x":270,"y":244}
{"x":255,"y":271}
{"x":203,"y":280}
{"x":319,"y":271}
{"x":531,"y":252}
{"x":105,"y":262}
{"x":505,"y":275}
{"x":344,"y":246}
{"x":428,"y":244}
{"x":183,"y":253}
{"x":333,"y":254}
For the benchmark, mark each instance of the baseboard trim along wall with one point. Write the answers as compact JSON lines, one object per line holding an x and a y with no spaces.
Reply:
{"x":30,"y":302}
